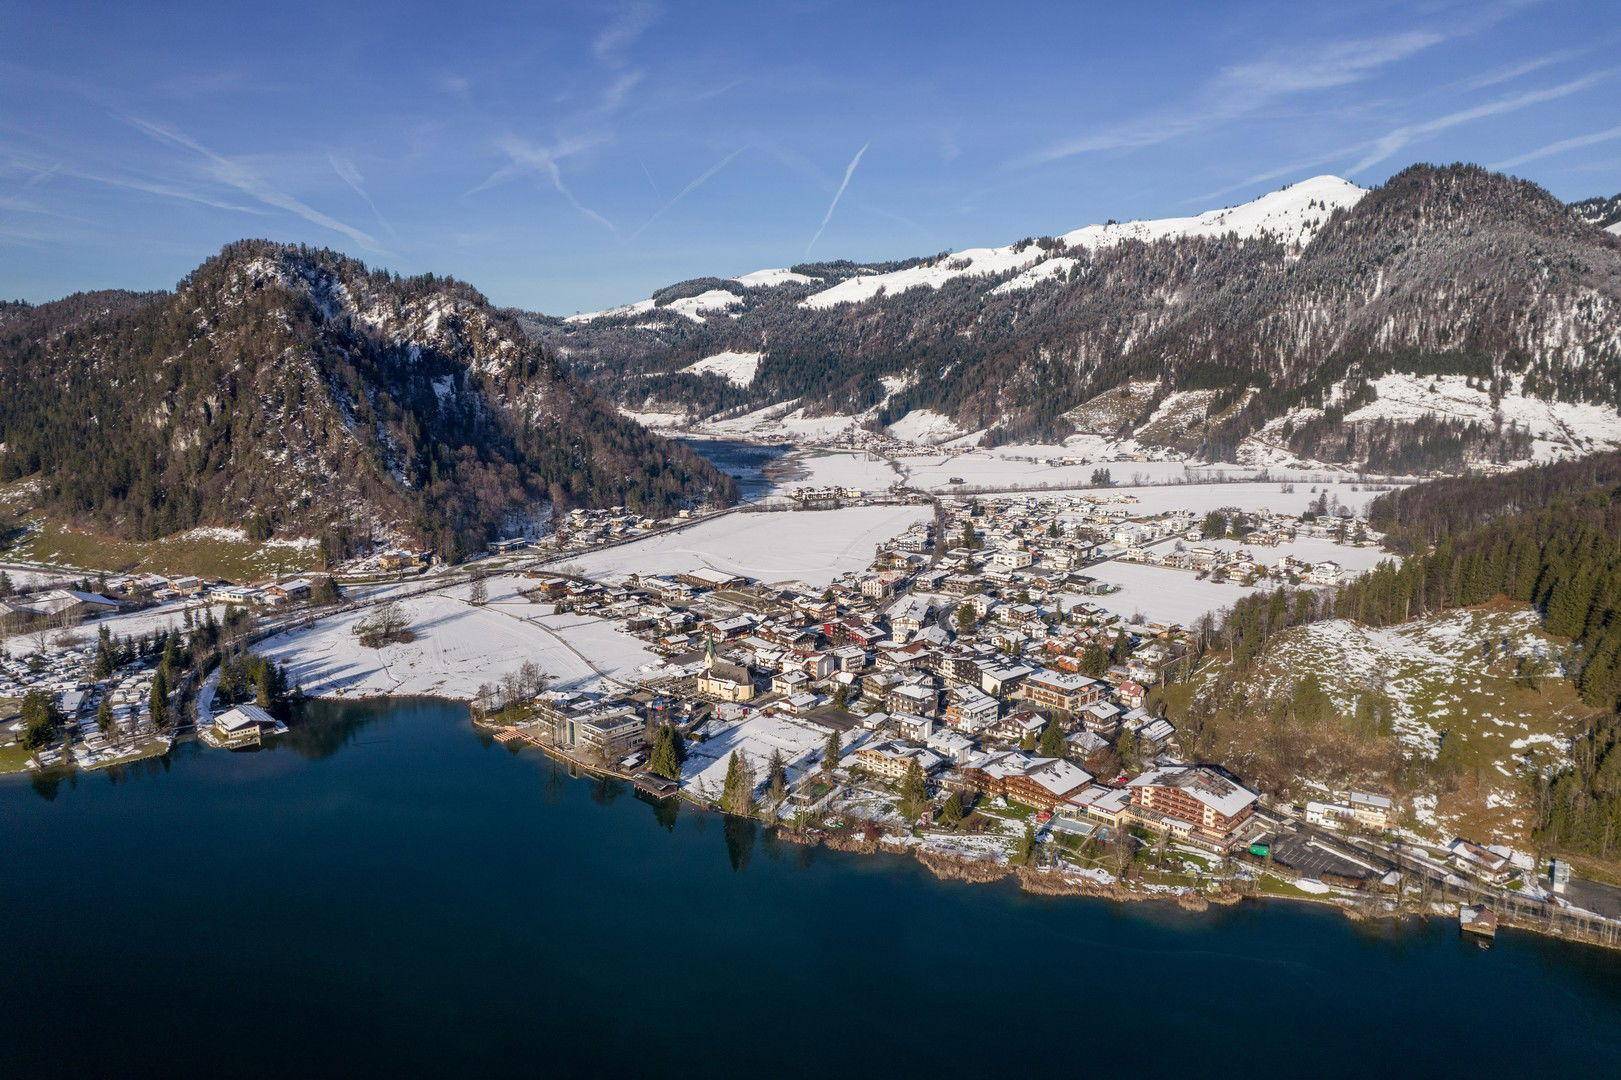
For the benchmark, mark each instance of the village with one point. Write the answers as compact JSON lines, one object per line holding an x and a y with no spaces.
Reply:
{"x":978,"y":694}
{"x":968,"y":699}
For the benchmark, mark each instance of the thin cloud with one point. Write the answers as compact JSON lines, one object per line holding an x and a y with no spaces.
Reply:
{"x":697,"y":183}
{"x":1574,"y":143}
{"x":1374,"y":151}
{"x":236,"y":175}
{"x":1393,"y":141}
{"x":350,"y":175}
{"x":849,"y":171}
{"x":1244,"y":89}
{"x":1510,"y":72}
{"x":631,"y":23}
{"x":650,"y":183}
{"x":163,"y":190}
{"x":526,"y":157}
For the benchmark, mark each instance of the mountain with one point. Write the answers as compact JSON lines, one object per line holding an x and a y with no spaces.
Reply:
{"x":1601,"y":212}
{"x":299,"y":393}
{"x":1450,"y":316}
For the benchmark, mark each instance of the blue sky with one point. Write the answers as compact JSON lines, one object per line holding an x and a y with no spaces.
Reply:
{"x":575,"y":155}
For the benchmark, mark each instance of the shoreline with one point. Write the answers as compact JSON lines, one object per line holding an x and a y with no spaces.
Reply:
{"x":1046,"y":881}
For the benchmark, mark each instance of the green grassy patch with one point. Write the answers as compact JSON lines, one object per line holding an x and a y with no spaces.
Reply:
{"x":58,"y":545}
{"x":13,"y":758}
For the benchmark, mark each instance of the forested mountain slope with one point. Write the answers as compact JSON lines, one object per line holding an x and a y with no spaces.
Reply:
{"x":1484,"y":670}
{"x":301,"y":393}
{"x":1450,"y":316}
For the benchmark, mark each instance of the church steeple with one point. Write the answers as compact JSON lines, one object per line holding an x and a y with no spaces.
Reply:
{"x":709,"y":651}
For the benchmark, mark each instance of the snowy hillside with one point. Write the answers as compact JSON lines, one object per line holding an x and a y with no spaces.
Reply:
{"x":737,"y":368}
{"x":1291,"y":216}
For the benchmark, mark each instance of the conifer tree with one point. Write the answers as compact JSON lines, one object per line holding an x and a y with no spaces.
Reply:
{"x":737,"y":795}
{"x":832,"y":750}
{"x":914,"y":792}
{"x":1052,"y":740}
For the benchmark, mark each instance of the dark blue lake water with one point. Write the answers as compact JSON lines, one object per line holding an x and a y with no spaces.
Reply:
{"x":386,"y":893}
{"x":746,"y":461}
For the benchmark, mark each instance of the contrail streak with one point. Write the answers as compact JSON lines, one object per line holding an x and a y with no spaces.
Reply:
{"x":849,"y":171}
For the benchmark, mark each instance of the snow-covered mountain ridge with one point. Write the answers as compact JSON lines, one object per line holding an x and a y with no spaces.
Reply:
{"x":1243,"y":323}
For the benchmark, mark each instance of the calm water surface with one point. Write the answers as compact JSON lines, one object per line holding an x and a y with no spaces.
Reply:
{"x":745,"y":461}
{"x":385,"y":893}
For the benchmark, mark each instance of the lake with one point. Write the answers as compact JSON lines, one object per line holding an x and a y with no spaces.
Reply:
{"x":748,"y":462}
{"x":388,"y":893}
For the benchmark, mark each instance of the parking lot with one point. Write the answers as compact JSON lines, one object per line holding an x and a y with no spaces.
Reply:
{"x":1296,"y":852}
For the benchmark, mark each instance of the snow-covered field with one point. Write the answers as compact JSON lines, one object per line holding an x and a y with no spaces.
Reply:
{"x":169,"y":616}
{"x":737,"y":368}
{"x":1029,"y":466}
{"x":1202,"y":498}
{"x":758,"y":737}
{"x":459,"y":647}
{"x":784,"y":420}
{"x":859,"y":470}
{"x":810,"y":546}
{"x":27,"y":578}
{"x":1558,"y":428}
{"x":1160,"y":593}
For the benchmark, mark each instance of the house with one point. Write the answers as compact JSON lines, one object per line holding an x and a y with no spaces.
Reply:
{"x":289,"y":591}
{"x":244,"y":725}
{"x":891,"y":760}
{"x":398,"y":560}
{"x":804,"y":702}
{"x":849,"y":658}
{"x":1095,"y":800}
{"x":1010,"y":558}
{"x":1059,"y":691}
{"x":909,"y":614}
{"x":789,"y":683}
{"x":1481,"y":862}
{"x":969,"y":708}
{"x":954,"y":746}
{"x":1359,"y":808}
{"x":1046,"y":783}
{"x":705,"y":578}
{"x":1193,"y":795}
{"x":1001,"y":680}
{"x":911,"y":726}
{"x":606,"y":734}
{"x":912,"y":698}
{"x":1101,"y":717}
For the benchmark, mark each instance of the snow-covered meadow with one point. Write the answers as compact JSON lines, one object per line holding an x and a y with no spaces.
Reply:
{"x":168,"y":616}
{"x":458,"y":647}
{"x":813,"y":546}
{"x":1257,"y":495}
{"x":1160,"y":593}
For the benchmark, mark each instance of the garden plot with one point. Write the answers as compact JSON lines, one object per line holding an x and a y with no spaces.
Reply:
{"x":810,"y":546}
